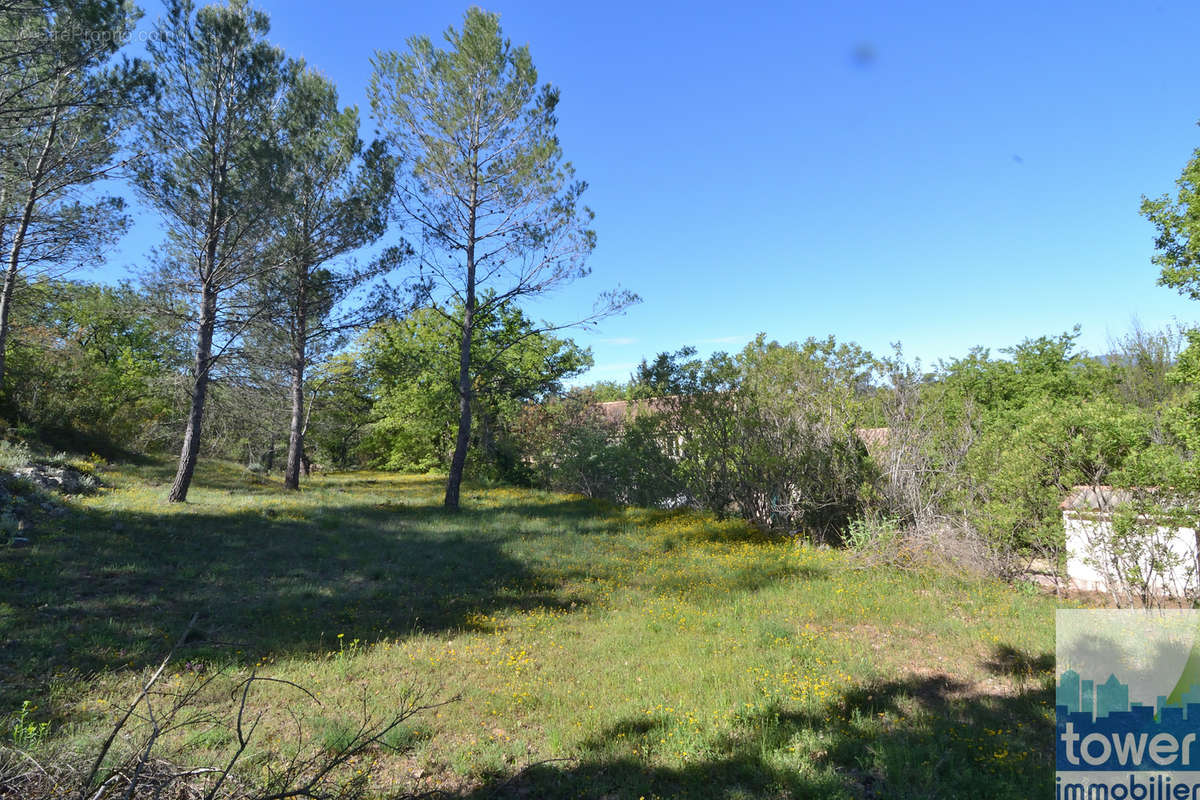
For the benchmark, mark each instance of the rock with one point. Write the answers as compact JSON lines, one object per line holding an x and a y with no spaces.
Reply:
{"x":57,"y":479}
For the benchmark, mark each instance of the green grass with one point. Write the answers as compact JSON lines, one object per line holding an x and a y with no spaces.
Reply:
{"x":598,"y":651}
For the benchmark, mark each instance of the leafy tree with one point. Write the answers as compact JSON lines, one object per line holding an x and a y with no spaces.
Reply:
{"x":798,"y":463}
{"x":1037,"y":368}
{"x":333,"y":201}
{"x":65,"y":107}
{"x":209,"y":172}
{"x":339,"y":409}
{"x":91,"y":369}
{"x":1022,"y":467}
{"x":1177,"y":231}
{"x":497,"y":206}
{"x":1177,"y":254}
{"x":608,"y":391}
{"x":668,"y":375}
{"x":413,"y":365}
{"x":1045,"y":419}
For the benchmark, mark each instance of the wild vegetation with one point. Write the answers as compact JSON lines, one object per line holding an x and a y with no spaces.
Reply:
{"x":589,"y":647}
{"x":793,"y":570}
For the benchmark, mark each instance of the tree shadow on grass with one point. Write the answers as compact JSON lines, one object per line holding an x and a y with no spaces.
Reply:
{"x":1016,"y":663}
{"x":595,"y":519}
{"x":106,"y":589}
{"x":103,"y":590}
{"x":590,"y":515}
{"x":921,"y":736}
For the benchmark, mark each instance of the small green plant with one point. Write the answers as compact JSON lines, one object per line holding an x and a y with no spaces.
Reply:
{"x":336,"y":735}
{"x":405,"y":737}
{"x":345,"y":653}
{"x":9,"y":525}
{"x":1027,"y":588}
{"x":872,"y":533}
{"x":27,"y":734}
{"x":14,"y":455}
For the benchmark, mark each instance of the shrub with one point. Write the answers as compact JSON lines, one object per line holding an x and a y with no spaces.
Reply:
{"x":872,"y":534}
{"x":571,"y":445}
{"x":14,"y":455}
{"x":769,"y":435}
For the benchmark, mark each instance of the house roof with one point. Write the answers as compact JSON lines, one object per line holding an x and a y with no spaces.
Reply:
{"x":621,"y":410}
{"x":875,"y":439}
{"x":1095,"y":498}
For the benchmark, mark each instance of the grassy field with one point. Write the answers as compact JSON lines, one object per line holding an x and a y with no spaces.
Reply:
{"x":595,"y":651}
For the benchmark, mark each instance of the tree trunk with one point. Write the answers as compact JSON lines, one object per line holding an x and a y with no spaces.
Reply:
{"x":191,"y":436}
{"x":295,"y":456}
{"x":10,"y":280}
{"x":291,"y":475}
{"x":14,"y":255}
{"x":458,"y":462}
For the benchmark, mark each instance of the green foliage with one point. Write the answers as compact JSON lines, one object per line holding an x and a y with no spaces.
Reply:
{"x":14,"y":455}
{"x":768,"y":434}
{"x":795,"y":459}
{"x":1045,"y":367}
{"x":92,"y":367}
{"x":873,"y":534}
{"x":1143,"y":362}
{"x":1177,"y":232}
{"x":1046,"y":418}
{"x":412,"y":368}
{"x":572,"y":445}
{"x":608,"y":391}
{"x":63,"y":107}
{"x":1023,"y":465}
{"x":340,"y":404}
{"x":27,"y":734}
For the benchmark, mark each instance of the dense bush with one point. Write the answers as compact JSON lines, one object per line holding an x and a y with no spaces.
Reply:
{"x":572,"y":445}
{"x":768,"y":434}
{"x":90,"y":367}
{"x":974,"y":461}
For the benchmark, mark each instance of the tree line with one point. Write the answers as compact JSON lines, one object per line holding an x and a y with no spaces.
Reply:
{"x":827,"y":440}
{"x":318,"y":297}
{"x":281,"y":225}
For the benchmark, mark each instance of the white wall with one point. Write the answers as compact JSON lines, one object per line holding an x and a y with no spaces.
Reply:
{"x":1089,"y":563}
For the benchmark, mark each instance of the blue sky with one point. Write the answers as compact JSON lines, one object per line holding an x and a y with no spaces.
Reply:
{"x":943,"y":174}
